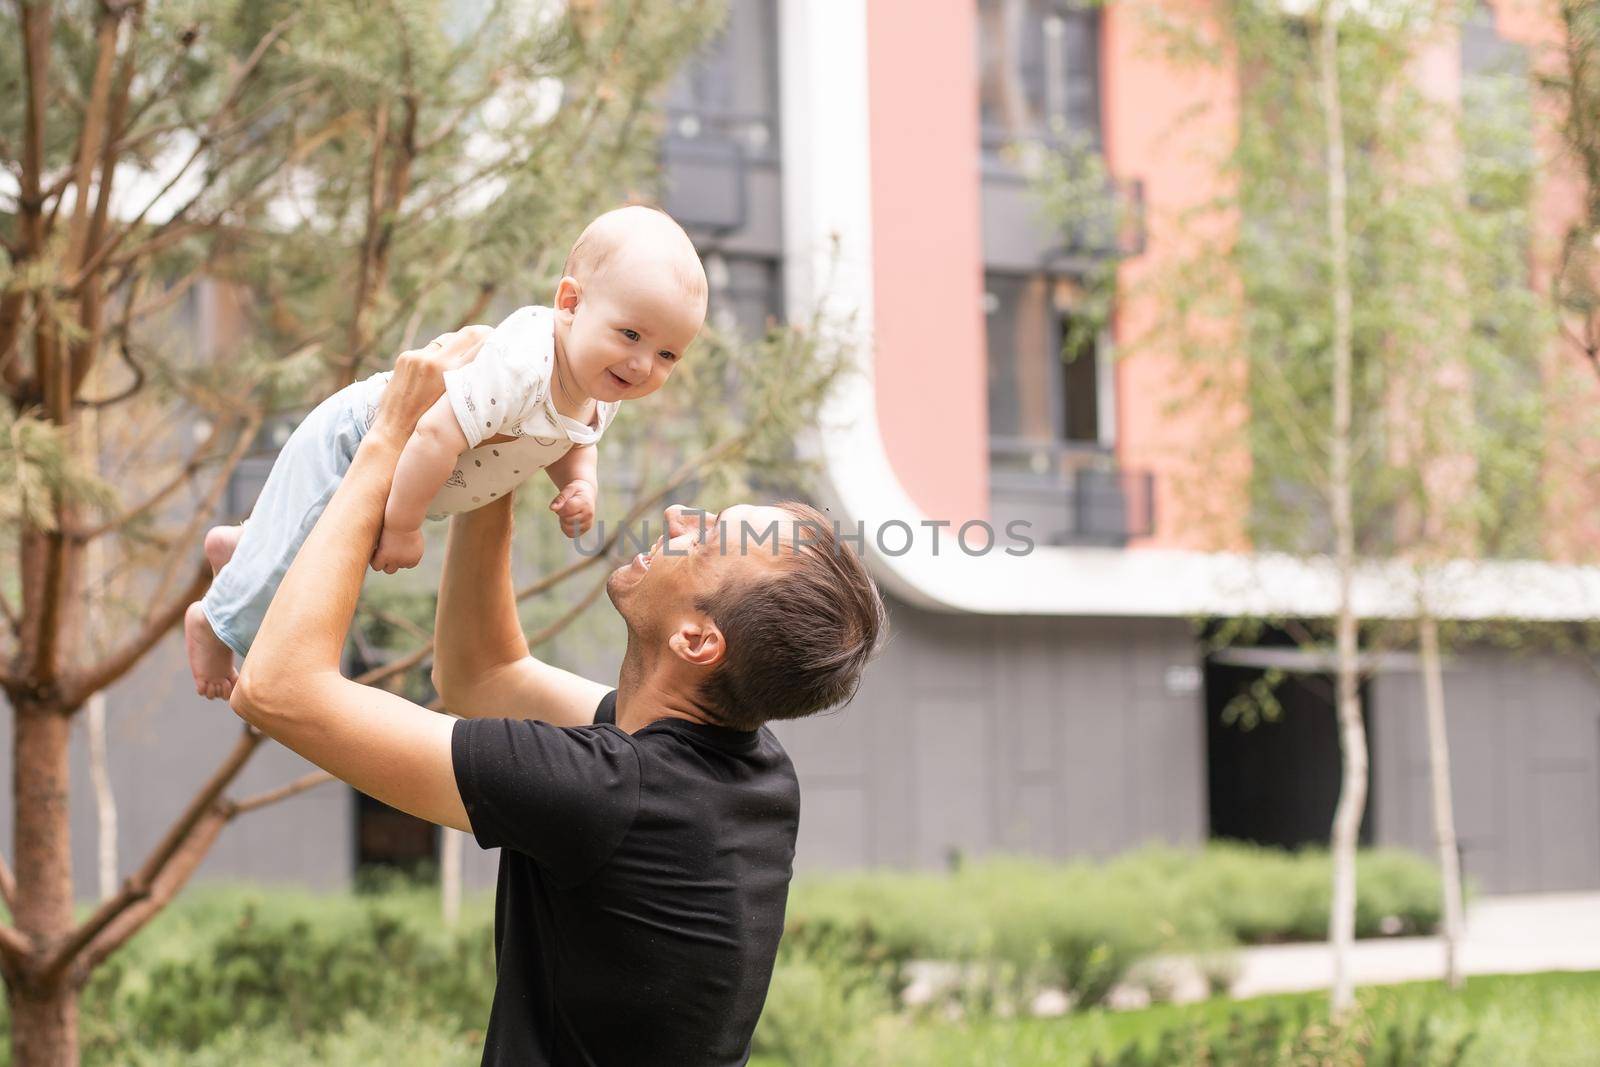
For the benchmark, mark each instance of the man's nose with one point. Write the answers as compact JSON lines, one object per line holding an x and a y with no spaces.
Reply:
{"x":682,"y":519}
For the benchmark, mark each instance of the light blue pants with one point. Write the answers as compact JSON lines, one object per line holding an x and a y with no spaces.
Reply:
{"x":302,"y":481}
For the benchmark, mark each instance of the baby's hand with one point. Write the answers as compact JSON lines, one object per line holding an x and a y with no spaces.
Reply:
{"x":397,"y":551}
{"x":575,"y":506}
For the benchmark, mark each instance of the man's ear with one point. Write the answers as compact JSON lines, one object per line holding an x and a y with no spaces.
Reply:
{"x":699,"y":643}
{"x":569,"y":292}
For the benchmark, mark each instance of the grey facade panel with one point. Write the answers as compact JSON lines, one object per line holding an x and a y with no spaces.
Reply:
{"x":971,"y":735}
{"x":1015,"y":237}
{"x":975,"y":735}
{"x":698,"y":192}
{"x":162,"y":743}
{"x":1524,"y":732}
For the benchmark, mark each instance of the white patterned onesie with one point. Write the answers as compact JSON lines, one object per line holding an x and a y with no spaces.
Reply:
{"x":505,"y":390}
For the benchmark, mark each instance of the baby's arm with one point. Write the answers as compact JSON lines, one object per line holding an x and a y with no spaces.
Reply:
{"x":425,"y":463}
{"x":575,"y":475}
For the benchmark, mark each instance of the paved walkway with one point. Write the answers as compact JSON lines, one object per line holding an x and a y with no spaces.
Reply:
{"x":1505,"y":935}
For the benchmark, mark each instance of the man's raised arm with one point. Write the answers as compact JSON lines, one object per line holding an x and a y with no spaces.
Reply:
{"x":481,"y":663}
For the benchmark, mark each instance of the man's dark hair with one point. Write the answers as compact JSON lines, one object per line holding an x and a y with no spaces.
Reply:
{"x":799,"y":639}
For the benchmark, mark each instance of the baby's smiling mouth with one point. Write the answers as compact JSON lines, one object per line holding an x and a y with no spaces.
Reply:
{"x":619,"y":379}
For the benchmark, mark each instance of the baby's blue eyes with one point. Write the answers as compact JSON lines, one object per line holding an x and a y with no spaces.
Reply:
{"x":633,"y":335}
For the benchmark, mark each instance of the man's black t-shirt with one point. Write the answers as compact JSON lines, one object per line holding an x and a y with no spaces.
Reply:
{"x":642,"y":885}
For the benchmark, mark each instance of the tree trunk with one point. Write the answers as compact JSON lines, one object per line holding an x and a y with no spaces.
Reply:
{"x":93,"y":448}
{"x":44,"y":1026}
{"x":105,"y":799}
{"x":44,"y":1021}
{"x":1352,"y":731}
{"x":1444,"y":819}
{"x":1347,"y":816}
{"x":451,"y":844}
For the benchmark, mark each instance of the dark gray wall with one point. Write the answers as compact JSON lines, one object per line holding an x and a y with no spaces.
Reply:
{"x":1054,"y":737}
{"x":1524,"y":734}
{"x":162,"y":743}
{"x":1050,"y":736}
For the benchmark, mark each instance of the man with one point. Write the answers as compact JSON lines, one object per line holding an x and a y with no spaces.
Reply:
{"x":647,"y":832}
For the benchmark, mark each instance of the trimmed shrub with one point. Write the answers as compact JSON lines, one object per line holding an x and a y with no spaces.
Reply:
{"x":1080,"y":925}
{"x":822,"y":1011}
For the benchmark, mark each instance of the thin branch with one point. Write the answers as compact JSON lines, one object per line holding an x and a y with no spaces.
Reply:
{"x":399,"y":622}
{"x":272,"y":796}
{"x":562,"y":621}
{"x":94,"y":130}
{"x":486,"y":291}
{"x":1590,"y":352}
{"x":173,"y":877}
{"x":14,"y":944}
{"x":10,"y":614}
{"x":85,"y":684}
{"x":212,"y":131}
{"x":101,"y":402}
{"x":8,"y":886}
{"x":181,"y":866}
{"x":36,"y":34}
{"x":122,"y":145}
{"x":140,"y":885}
{"x":446,"y":269}
{"x":170,"y":295}
{"x":208,"y":504}
{"x":198,"y":460}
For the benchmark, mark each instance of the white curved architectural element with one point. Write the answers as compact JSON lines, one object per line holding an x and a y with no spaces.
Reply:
{"x":828,"y":266}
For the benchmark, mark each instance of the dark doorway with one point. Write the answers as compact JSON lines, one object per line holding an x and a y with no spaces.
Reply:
{"x":1276,"y":783}
{"x":390,"y":840}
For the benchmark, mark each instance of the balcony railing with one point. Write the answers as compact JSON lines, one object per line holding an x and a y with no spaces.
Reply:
{"x":1115,"y":231}
{"x":706,"y":157}
{"x":1070,"y":494}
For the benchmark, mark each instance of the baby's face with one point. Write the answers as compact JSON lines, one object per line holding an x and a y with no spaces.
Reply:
{"x":629,"y":329}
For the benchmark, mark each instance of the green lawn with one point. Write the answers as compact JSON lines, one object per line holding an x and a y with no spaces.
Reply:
{"x":250,"y":978}
{"x":1548,"y":1020}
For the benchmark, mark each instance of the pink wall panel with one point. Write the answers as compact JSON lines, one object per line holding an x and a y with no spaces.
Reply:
{"x":927,"y":252}
{"x":1169,"y":126}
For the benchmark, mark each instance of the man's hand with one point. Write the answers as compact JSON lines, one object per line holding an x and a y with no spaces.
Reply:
{"x":575,"y":506}
{"x":419,"y":379}
{"x":397,"y":550}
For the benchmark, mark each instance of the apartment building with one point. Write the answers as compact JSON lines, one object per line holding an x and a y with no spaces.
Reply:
{"x":850,"y":154}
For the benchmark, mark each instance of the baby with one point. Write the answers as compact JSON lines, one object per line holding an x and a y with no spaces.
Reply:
{"x":539,"y":393}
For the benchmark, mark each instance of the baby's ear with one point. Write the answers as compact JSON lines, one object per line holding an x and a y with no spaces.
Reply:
{"x":569,"y":293}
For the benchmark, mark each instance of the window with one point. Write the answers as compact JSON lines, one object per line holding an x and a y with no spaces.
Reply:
{"x":1051,"y":419}
{"x":1049,"y":380}
{"x":720,"y":148}
{"x":746,"y":293}
{"x":730,"y":90}
{"x":1039,"y":72}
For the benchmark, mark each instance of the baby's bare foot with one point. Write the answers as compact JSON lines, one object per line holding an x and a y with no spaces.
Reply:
{"x":219,"y":545}
{"x":210,"y":659}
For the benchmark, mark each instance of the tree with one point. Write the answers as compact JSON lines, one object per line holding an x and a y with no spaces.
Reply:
{"x":345,"y":178}
{"x":1577,"y":86}
{"x":1358,"y":285}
